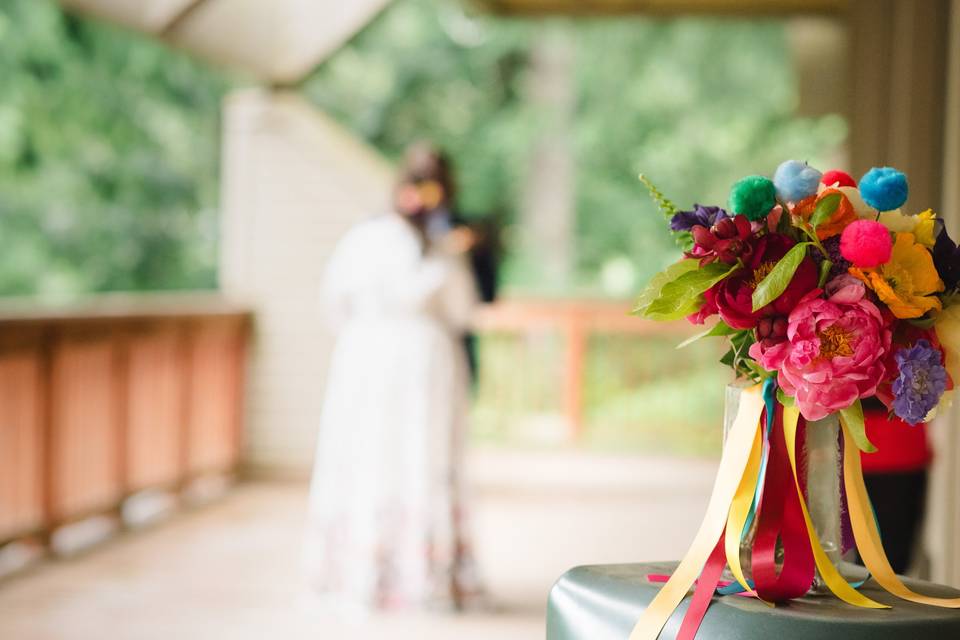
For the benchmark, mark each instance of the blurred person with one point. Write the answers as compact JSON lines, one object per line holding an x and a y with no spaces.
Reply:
{"x":896,"y":479}
{"x":386,"y":523}
{"x":480,"y":240}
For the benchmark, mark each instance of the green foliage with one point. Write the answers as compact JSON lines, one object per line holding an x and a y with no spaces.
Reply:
{"x":784,"y":399}
{"x":684,"y":295}
{"x":852,"y":418}
{"x":424,"y":70}
{"x":657,"y":282}
{"x":737,"y":356}
{"x":108,"y":158}
{"x":719,"y":329}
{"x":696,"y":102}
{"x":777,"y":281}
{"x":825,"y":267}
{"x":825,"y":209}
{"x":667,"y":208}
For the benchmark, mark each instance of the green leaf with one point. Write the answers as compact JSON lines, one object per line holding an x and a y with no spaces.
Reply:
{"x":825,"y":209}
{"x":779,"y":277}
{"x":652,"y":290}
{"x":852,"y":418}
{"x":739,"y":345}
{"x":923,"y":323}
{"x":719,"y":329}
{"x":784,"y":399}
{"x":757,"y":372}
{"x":683,"y":296}
{"x":665,"y":205}
{"x":825,"y":267}
{"x":729,"y":357}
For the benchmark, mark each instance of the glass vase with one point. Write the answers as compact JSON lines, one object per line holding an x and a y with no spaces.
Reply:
{"x":820,"y":468}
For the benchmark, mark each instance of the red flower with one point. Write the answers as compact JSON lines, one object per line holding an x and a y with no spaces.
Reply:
{"x":727,"y":241}
{"x":733,"y":297}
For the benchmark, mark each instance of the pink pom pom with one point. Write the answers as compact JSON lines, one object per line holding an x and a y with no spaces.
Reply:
{"x":866,"y":244}
{"x":838,"y":178}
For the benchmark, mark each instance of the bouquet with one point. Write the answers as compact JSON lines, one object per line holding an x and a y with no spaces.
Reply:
{"x":828,"y":292}
{"x":831,"y":287}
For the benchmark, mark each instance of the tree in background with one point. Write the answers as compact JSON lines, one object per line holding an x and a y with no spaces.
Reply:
{"x":109,"y":141}
{"x":108,"y":158}
{"x":692,"y":102}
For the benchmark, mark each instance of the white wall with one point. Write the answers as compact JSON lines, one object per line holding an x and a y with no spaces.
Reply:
{"x":292,"y":182}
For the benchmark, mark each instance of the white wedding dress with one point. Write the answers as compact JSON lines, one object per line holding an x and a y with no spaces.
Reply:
{"x":386,"y":525}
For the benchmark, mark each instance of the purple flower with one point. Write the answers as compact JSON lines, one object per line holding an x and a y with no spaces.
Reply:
{"x":703,"y":216}
{"x":921,"y":382}
{"x":946,"y":257}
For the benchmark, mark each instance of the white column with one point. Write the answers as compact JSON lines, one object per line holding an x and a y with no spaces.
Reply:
{"x":293,"y":182}
{"x":943,"y":530}
{"x":904,"y":109}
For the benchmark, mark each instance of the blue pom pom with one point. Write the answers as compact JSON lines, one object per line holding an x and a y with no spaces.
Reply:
{"x":795,"y":181}
{"x":884,"y":188}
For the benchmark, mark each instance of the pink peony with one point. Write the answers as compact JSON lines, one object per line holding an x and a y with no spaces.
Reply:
{"x":834,"y":352}
{"x":866,"y":244}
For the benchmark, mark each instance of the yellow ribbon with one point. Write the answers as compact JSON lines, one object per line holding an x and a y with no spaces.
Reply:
{"x":740,"y":509}
{"x":736,"y":453}
{"x":868,"y":537}
{"x":835,"y":582}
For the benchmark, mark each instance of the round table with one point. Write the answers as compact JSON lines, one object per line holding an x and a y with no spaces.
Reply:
{"x":603,"y":602}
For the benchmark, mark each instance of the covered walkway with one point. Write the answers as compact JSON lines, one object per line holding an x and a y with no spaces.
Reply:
{"x":230,"y":570}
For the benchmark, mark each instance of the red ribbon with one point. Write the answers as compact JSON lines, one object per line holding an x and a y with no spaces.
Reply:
{"x":706,"y":585}
{"x":781,"y":517}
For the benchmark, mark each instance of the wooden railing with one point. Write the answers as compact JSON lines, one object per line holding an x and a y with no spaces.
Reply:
{"x":575,"y":321}
{"x":102,"y":400}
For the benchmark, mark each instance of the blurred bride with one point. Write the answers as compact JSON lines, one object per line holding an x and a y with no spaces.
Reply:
{"x":385,"y":527}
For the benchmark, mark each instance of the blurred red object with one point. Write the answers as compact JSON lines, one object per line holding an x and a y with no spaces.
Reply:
{"x":900,"y":446}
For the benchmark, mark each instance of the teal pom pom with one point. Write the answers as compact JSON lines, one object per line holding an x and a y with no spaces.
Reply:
{"x":884,"y":188}
{"x":753,"y":197}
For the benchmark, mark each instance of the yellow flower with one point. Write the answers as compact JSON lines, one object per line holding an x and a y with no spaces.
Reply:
{"x":923,"y":230}
{"x":948,"y":333}
{"x":908,"y":281}
{"x":921,"y":225}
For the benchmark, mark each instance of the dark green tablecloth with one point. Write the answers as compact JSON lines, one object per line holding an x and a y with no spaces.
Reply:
{"x":603,"y":602}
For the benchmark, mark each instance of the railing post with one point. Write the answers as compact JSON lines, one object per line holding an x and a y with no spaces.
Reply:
{"x":576,"y":351}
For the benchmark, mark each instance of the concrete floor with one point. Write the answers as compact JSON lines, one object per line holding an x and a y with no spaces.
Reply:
{"x":230,"y":569}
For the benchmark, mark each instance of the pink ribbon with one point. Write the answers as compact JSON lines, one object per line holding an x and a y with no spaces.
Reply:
{"x":706,"y":585}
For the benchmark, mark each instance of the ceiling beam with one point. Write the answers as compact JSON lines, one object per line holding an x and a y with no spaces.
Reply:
{"x":180,"y":17}
{"x":741,"y":8}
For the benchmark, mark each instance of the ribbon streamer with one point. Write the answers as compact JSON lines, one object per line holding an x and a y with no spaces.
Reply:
{"x":781,"y":518}
{"x":740,"y":509}
{"x":759,"y":478}
{"x":867,"y":535}
{"x":831,"y":576}
{"x":706,"y":585}
{"x":733,"y":462}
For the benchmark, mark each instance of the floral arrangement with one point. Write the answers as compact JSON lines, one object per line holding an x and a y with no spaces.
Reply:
{"x":828,"y":292}
{"x":830,"y":286}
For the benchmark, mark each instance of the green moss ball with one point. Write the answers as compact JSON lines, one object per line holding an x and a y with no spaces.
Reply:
{"x":753,"y":196}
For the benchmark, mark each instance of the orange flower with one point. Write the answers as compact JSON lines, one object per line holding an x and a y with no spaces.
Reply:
{"x":844,"y":215}
{"x":908,"y":282}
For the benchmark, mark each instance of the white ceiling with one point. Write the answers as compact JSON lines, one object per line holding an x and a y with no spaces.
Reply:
{"x":278,"y":41}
